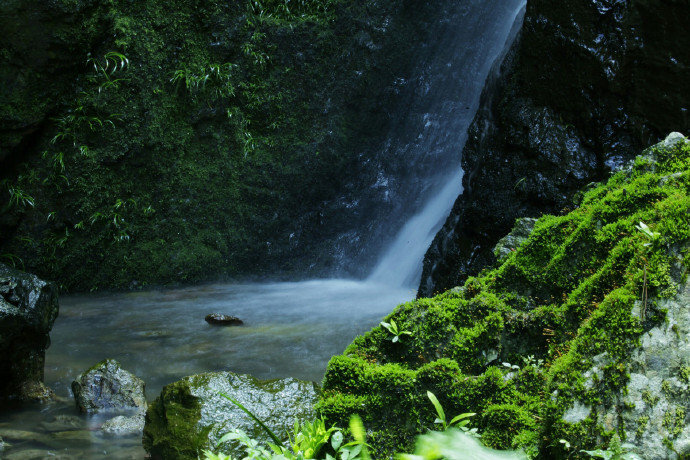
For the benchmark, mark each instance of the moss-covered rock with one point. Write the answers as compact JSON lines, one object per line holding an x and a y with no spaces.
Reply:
{"x":192,"y":414}
{"x":28,"y":309}
{"x":557,"y":342}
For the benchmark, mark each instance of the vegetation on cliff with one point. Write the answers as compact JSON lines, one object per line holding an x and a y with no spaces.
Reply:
{"x":181,"y":141}
{"x":532,"y":345}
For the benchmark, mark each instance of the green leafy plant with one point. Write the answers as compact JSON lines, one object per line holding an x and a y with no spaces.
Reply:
{"x":616,"y":451}
{"x":532,"y":361}
{"x":393,"y":328}
{"x":456,"y":445}
{"x":106,"y":67}
{"x":306,"y":441}
{"x":19,"y":198}
{"x":309,"y":437}
{"x":217,"y":79}
{"x":652,"y":237}
{"x":646,"y":231}
{"x":460,"y":421}
{"x":512,"y":367}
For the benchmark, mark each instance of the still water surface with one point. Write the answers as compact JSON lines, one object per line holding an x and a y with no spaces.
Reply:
{"x":291,"y":329}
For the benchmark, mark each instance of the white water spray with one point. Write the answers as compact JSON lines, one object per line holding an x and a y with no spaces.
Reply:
{"x":488,"y":33}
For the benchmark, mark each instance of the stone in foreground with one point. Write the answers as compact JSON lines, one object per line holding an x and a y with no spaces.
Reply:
{"x":223,"y":320}
{"x":191,"y":414}
{"x":28,"y":308}
{"x":109,"y":388}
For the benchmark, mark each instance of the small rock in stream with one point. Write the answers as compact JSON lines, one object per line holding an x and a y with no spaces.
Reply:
{"x":108,"y":387}
{"x":223,"y":320}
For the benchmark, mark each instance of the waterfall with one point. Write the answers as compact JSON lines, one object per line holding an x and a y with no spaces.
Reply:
{"x":481,"y":37}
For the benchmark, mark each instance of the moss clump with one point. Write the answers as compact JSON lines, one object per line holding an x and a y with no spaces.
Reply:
{"x":569,"y":296}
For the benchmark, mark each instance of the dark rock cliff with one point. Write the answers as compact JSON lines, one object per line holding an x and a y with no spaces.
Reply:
{"x":586,"y":85}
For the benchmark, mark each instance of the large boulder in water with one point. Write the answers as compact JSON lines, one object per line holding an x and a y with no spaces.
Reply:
{"x":106,"y":387}
{"x":28,"y":308}
{"x":192,"y":414}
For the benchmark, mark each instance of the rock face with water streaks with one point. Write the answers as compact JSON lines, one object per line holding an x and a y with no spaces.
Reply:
{"x":191,"y":414}
{"x":28,"y":308}
{"x":106,"y":387}
{"x":587,"y":85}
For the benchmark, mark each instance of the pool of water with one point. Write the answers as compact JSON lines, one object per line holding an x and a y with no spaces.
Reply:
{"x":290,"y":330}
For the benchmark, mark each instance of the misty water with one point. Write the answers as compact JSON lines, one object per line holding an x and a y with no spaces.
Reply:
{"x":291,"y":329}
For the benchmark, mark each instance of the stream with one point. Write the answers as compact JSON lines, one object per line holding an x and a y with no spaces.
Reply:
{"x":290,"y":330}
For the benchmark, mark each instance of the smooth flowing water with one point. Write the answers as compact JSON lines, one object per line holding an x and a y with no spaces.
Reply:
{"x":290,"y":330}
{"x":462,"y":62}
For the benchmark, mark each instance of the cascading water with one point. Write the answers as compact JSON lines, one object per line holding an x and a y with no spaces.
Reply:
{"x":483,"y":33}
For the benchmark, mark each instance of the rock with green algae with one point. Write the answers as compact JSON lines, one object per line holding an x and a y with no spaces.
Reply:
{"x":106,"y":387}
{"x":509,"y":243}
{"x":191,"y":414}
{"x":566,"y":307}
{"x":28,"y":309}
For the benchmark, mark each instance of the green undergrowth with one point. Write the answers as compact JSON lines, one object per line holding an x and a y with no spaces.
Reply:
{"x":182,"y":141}
{"x":517,"y":343}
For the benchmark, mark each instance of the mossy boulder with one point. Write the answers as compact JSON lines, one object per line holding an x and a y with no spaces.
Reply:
{"x":28,"y":309}
{"x":107,"y":387}
{"x":580,"y":334}
{"x":192,"y":414}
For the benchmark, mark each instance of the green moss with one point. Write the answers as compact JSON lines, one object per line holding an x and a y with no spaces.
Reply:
{"x":167,"y":422}
{"x":570,"y":295}
{"x":642,"y":423}
{"x":504,"y":422}
{"x":674,"y":421}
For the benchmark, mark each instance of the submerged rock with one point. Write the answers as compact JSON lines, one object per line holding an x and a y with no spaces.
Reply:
{"x":223,"y":320}
{"x":122,"y":426}
{"x":108,"y":387}
{"x":28,"y":308}
{"x":191,"y":414}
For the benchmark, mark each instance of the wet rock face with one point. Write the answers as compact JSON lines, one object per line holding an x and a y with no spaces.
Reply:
{"x":108,"y":387}
{"x":586,"y":86}
{"x":28,"y":308}
{"x":191,"y":415}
